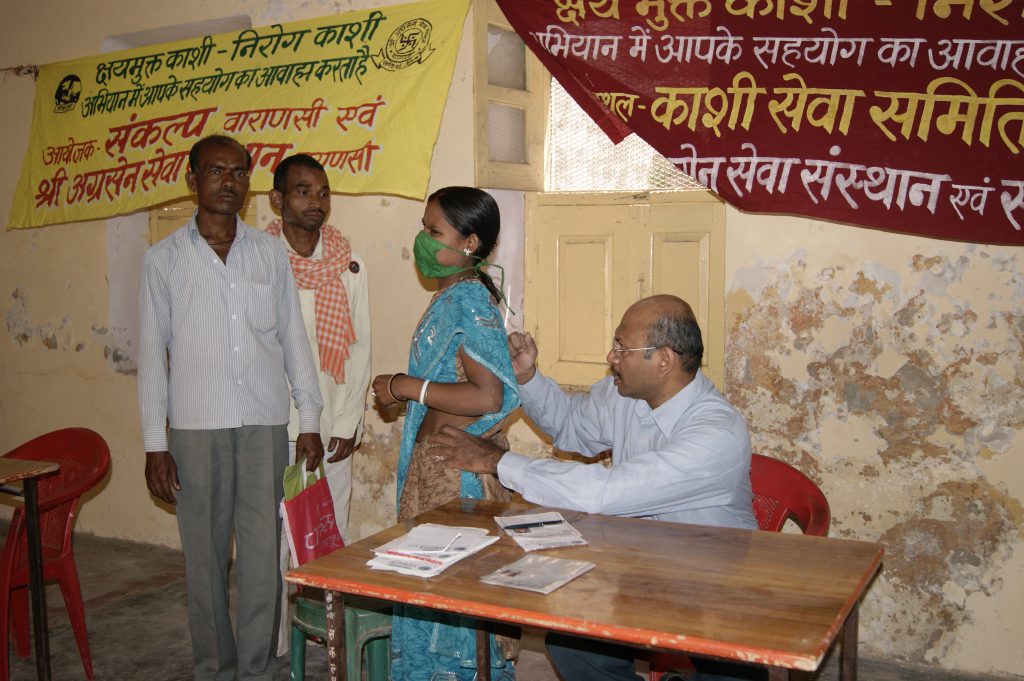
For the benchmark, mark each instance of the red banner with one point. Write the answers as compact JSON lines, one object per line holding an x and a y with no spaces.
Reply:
{"x":906,"y":115}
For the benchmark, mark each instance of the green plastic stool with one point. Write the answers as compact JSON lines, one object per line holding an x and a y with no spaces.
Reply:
{"x":369,"y":628}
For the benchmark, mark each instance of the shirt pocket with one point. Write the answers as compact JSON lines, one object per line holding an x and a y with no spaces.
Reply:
{"x":260,"y":307}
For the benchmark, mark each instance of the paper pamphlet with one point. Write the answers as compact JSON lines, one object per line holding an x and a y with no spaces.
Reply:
{"x":540,"y":530}
{"x":428,"y":549}
{"x":538,"y":573}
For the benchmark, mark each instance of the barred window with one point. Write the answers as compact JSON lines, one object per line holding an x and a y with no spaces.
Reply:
{"x":582,"y":158}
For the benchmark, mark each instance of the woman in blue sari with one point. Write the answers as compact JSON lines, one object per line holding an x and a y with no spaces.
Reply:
{"x":459,"y":374}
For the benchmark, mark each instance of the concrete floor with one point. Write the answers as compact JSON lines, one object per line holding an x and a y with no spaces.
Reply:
{"x":135,"y":611}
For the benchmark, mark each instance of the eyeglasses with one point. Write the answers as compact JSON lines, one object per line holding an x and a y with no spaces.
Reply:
{"x":618,"y":349}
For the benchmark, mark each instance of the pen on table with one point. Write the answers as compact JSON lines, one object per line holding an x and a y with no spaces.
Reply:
{"x":452,"y":542}
{"x":446,"y":546}
{"x":523,"y":526}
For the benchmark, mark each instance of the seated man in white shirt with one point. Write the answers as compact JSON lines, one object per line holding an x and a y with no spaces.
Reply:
{"x":680,"y":451}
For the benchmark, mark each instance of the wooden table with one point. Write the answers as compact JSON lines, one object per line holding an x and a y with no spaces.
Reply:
{"x":779,"y":600}
{"x":28,"y":472}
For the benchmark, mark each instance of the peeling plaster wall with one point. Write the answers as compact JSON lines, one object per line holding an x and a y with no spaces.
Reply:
{"x":891,"y":370}
{"x":59,"y":351}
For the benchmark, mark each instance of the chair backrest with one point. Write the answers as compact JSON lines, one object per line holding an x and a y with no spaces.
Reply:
{"x":84,"y":459}
{"x":781,"y":492}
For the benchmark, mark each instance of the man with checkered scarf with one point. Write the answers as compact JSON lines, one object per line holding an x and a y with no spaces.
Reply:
{"x":333,"y":294}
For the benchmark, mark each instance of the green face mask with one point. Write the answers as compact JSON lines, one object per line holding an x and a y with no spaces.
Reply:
{"x":425,"y":250}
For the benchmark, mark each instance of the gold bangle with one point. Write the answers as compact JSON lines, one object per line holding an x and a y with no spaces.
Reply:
{"x":391,"y":392}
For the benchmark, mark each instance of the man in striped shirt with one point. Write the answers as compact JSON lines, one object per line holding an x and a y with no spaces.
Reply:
{"x":221,"y":338}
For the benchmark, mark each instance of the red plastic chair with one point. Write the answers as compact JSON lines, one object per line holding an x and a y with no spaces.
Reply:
{"x":84,"y":459}
{"x":781,"y":492}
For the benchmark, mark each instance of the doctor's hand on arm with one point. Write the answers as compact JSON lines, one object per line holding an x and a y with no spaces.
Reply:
{"x":458,"y":449}
{"x":162,"y":476}
{"x":523,"y":350}
{"x":310,"y":447}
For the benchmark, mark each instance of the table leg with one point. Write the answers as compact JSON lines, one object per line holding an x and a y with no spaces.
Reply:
{"x":334,"y":605}
{"x":483,"y":653}
{"x":35,"y":571}
{"x":848,"y":649}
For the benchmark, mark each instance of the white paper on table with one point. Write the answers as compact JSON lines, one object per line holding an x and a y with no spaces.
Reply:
{"x":539,"y":573}
{"x":546,"y":530}
{"x":428,"y":549}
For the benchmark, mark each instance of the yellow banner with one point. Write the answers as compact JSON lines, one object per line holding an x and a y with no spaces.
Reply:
{"x":362,"y":92}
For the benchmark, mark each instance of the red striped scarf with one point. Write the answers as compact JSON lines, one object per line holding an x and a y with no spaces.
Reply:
{"x":334,"y":332}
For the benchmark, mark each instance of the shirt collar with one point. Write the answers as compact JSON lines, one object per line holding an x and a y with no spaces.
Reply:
{"x":193,"y":228}
{"x":668,"y":413}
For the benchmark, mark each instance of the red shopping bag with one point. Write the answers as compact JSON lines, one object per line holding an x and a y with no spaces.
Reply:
{"x":308,"y":514}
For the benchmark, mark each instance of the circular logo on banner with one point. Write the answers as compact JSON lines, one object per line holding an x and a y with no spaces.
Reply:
{"x":408,"y":44}
{"x":67,"y":94}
